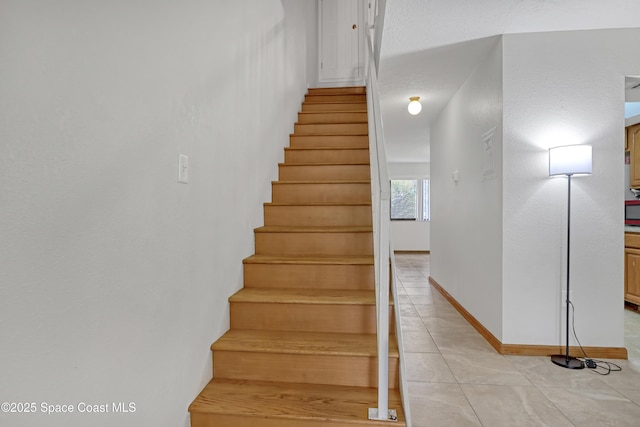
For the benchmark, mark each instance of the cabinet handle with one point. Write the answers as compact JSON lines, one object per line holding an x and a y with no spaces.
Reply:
{"x":354,"y":26}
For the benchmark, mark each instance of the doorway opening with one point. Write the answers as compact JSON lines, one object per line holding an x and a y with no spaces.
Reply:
{"x":632,"y":233}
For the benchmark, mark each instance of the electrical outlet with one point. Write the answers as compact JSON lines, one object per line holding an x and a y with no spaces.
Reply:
{"x":183,"y":169}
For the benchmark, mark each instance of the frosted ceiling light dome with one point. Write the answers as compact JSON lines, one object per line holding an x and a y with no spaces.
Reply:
{"x":414,"y":106}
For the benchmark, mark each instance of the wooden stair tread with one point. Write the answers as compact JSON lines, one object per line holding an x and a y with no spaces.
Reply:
{"x":355,"y":105}
{"x":292,"y":402}
{"x":334,"y":92}
{"x":361,"y":110}
{"x":318,"y":204}
{"x":313,"y":343}
{"x":328,"y":100}
{"x":351,"y":110}
{"x":324,"y":148}
{"x":335,"y":123}
{"x":342,"y":260}
{"x":329,"y":134}
{"x":362,"y":101}
{"x":358,"y":181}
{"x":325,"y":164}
{"x":311,"y":229}
{"x":305,"y":296}
{"x":358,"y":89}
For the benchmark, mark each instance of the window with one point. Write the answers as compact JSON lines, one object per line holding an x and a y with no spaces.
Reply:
{"x":410,"y":199}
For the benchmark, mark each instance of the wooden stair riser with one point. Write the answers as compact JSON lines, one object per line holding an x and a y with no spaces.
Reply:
{"x":340,"y":318}
{"x":330,"y":128}
{"x":333,"y":106}
{"x":317,"y":215}
{"x":330,"y":192}
{"x":329,"y":141}
{"x":335,"y":98}
{"x":337,"y":90}
{"x":326,"y":155}
{"x":301,"y":276}
{"x":358,"y":371}
{"x":314,"y":244}
{"x":327,"y":172}
{"x":333,"y":117}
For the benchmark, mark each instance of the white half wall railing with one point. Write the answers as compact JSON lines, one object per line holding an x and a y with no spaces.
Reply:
{"x":384,"y":266}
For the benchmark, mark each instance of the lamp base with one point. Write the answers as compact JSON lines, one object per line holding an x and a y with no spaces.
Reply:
{"x":567,"y":362}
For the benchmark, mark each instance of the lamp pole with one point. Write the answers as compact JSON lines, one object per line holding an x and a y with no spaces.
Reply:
{"x":567,"y":361}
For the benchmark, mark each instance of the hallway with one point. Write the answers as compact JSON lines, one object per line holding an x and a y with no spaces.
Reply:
{"x":457,"y":379}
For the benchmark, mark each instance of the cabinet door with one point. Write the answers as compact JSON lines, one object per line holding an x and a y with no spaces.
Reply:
{"x":633,"y":141}
{"x":632,"y":275}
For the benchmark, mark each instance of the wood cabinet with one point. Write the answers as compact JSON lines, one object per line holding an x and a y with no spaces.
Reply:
{"x":632,"y":268}
{"x":633,"y":146}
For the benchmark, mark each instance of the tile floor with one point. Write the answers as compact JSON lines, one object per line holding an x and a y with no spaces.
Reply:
{"x":457,"y":379}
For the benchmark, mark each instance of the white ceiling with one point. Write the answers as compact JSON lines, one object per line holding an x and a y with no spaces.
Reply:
{"x":429,"y":48}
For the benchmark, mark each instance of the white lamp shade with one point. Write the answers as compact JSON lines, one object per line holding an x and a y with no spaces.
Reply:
{"x":414,"y":106}
{"x":570,"y":160}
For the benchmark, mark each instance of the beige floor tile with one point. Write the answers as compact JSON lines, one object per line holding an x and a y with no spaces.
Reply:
{"x":458,"y":343}
{"x":417,"y":284}
{"x":436,"y":310}
{"x":404,"y":299}
{"x":418,"y":291}
{"x":421,"y":299}
{"x":484,"y":368}
{"x":513,"y":406}
{"x":412,"y":324}
{"x":449,"y":324}
{"x":429,"y":367}
{"x":543,"y":373}
{"x":440,"y":405}
{"x":633,"y":395}
{"x":411,"y":276}
{"x":418,"y":342}
{"x":628,"y":378}
{"x":594,"y":408}
{"x":408,"y":310}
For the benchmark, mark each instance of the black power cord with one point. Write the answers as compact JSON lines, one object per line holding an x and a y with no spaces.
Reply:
{"x":600,"y":367}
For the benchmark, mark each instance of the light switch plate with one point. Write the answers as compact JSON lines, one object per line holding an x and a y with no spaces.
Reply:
{"x":183,"y":169}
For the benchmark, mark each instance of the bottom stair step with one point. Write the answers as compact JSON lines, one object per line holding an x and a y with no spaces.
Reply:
{"x":240,"y":403}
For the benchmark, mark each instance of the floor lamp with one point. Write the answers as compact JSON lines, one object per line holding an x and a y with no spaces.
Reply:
{"x":569,"y":160}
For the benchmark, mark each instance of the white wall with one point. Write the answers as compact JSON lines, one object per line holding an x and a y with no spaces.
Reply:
{"x":410,"y":235}
{"x":114,"y":278}
{"x":562,"y":88}
{"x":466,"y":216}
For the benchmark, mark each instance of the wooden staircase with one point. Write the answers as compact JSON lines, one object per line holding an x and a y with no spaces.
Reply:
{"x":301,"y":350}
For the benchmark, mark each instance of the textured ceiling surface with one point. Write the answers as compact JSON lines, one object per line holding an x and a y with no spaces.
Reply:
{"x":429,"y":48}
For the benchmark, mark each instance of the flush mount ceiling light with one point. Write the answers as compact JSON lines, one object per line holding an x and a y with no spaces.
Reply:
{"x":414,"y":106}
